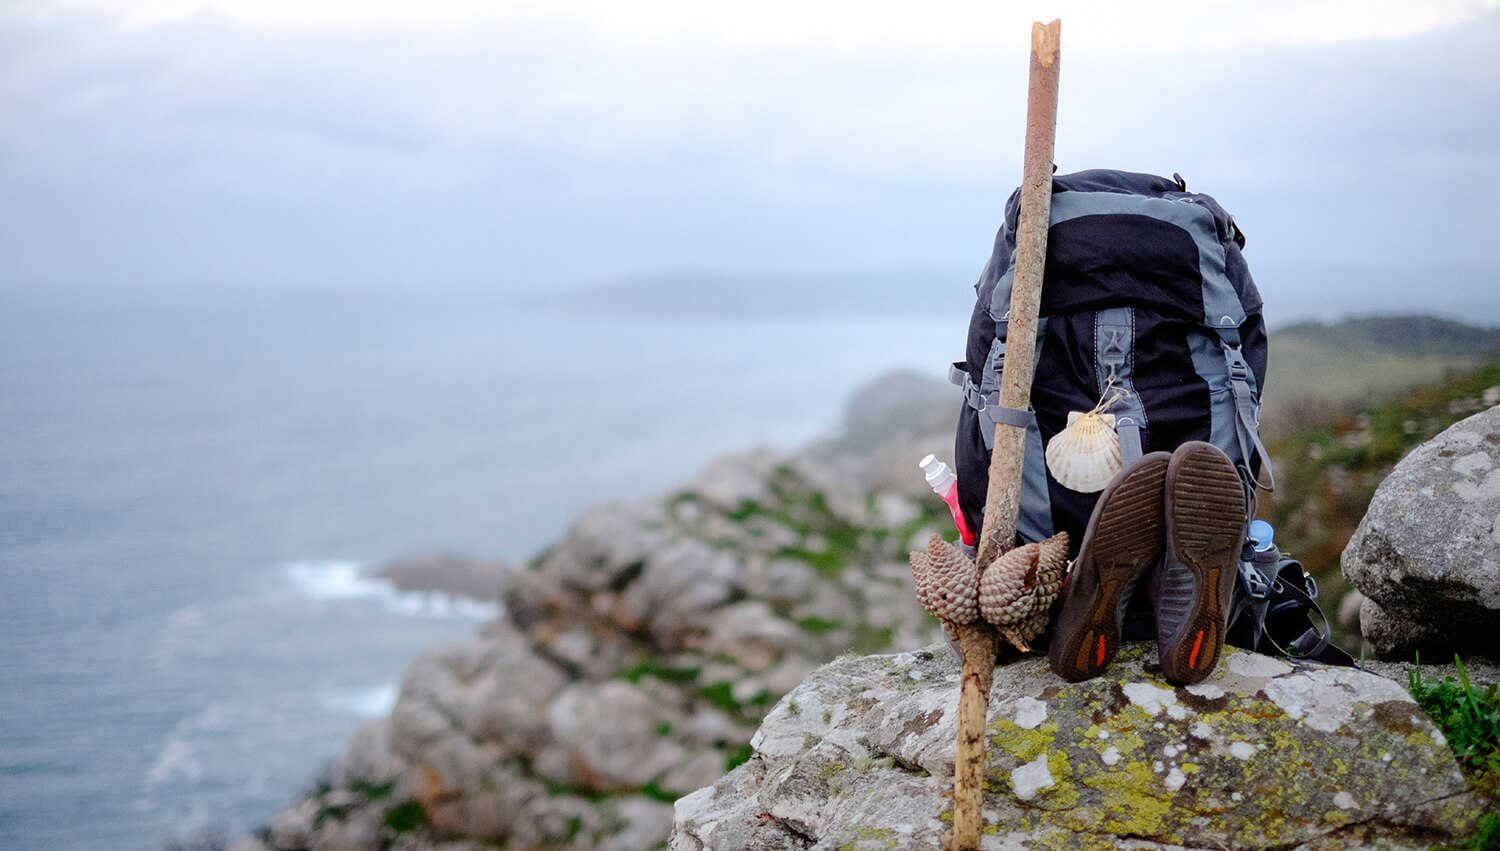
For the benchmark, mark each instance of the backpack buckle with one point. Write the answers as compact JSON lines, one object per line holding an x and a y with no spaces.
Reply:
{"x":1254,"y":581}
{"x":1239,"y":368}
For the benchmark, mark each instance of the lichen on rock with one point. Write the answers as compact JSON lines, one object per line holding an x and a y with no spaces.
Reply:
{"x":1265,"y":753}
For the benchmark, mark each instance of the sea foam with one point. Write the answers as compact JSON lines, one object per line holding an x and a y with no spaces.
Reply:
{"x":347,"y":580}
{"x":374,"y":702}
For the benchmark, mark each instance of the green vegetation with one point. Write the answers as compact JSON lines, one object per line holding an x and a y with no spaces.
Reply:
{"x":558,"y":790}
{"x":806,"y":511}
{"x":406,"y":817}
{"x":656,"y":793}
{"x":813,"y":623}
{"x":1357,"y":361}
{"x":738,"y":757}
{"x":873,"y":639}
{"x":1469,"y":718}
{"x":721,"y":696}
{"x":1486,"y":836}
{"x":654,"y":667}
{"x":372,"y":792}
{"x":1401,"y":335}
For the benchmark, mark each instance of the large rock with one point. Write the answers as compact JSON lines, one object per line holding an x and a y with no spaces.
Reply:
{"x":1265,"y":753}
{"x":1427,"y":554}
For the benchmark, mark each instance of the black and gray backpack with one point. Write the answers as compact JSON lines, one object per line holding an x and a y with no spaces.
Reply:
{"x":1147,"y":301}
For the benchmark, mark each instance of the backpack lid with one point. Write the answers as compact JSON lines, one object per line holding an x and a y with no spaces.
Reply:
{"x":1124,"y":239}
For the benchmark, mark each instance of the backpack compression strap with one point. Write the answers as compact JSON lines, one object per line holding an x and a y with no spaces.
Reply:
{"x":1247,"y":411}
{"x":990,"y":410}
{"x":1114,"y":337}
{"x":1035,"y":520}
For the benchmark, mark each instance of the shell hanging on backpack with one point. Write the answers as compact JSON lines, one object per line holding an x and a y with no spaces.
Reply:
{"x":1084,"y":456}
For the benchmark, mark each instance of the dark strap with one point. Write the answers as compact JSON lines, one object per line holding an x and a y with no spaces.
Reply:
{"x":1256,"y":602}
{"x":990,"y":410}
{"x":1314,"y":643}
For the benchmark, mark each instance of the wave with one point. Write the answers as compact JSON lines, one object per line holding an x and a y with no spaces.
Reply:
{"x":347,"y":580}
{"x":371,"y":702}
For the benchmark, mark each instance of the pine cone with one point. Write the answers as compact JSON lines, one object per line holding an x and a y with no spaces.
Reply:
{"x":947,"y":581}
{"x":1005,"y":590}
{"x":1017,"y":589}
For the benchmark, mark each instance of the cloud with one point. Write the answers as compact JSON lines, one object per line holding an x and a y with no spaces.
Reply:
{"x":1091,"y":24}
{"x":528,"y":151}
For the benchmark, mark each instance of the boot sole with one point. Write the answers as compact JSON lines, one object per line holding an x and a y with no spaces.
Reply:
{"x":1124,"y":539}
{"x":1205,"y":517}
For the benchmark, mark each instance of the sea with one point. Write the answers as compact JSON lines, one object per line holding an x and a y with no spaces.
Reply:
{"x":196,"y":491}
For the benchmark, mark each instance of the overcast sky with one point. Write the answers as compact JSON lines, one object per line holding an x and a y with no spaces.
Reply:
{"x":159,"y":144}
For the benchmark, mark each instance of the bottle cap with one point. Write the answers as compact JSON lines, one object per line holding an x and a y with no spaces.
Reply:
{"x":1261,"y":535}
{"x":939,"y":476}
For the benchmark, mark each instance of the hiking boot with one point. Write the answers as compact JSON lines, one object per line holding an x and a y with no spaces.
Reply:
{"x":1122,"y":541}
{"x":1205,"y":525}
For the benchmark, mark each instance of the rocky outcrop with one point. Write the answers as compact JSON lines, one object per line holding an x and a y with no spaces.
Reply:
{"x":889,"y":425}
{"x":1426,"y":557}
{"x":1265,"y":753}
{"x":632,"y":666}
{"x":460,"y":576}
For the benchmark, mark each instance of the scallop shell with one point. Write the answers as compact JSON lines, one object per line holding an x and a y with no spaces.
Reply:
{"x":1085,"y":455}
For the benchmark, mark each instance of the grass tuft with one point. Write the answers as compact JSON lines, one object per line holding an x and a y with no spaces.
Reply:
{"x":1470,"y":719}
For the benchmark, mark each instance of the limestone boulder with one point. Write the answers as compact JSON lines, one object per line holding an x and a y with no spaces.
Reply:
{"x":1426,"y":557}
{"x":1265,"y":753}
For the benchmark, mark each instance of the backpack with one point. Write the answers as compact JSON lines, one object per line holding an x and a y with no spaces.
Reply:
{"x":1146,"y":300}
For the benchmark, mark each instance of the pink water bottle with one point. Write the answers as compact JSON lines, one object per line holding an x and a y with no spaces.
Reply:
{"x":945,"y":484}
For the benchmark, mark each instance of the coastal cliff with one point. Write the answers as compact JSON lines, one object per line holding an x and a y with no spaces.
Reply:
{"x":680,"y":644}
{"x":633,"y":664}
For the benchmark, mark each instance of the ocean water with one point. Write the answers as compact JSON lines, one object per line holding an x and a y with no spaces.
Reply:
{"x":193,"y":494}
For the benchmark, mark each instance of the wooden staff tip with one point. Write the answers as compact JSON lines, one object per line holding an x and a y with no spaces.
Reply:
{"x":1045,"y":40}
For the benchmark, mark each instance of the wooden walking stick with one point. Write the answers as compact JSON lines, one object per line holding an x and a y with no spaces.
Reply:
{"x":978,"y":640}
